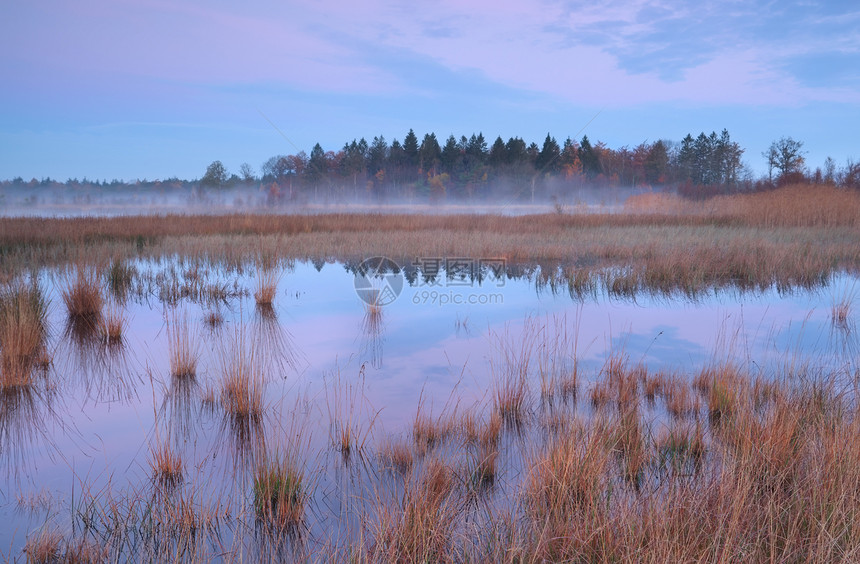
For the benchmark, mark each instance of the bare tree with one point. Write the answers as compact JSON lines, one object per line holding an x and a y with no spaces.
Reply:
{"x":786,"y":156}
{"x":247,"y":173}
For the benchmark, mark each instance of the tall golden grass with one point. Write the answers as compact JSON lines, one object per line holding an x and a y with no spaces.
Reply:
{"x":182,"y":347}
{"x":82,"y":294}
{"x":23,"y":329}
{"x":759,"y":469}
{"x":794,"y":235}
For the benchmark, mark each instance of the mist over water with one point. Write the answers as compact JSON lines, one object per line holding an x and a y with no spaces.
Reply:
{"x":502,"y":199}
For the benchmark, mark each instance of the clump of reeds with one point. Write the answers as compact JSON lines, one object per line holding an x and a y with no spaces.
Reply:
{"x":82,"y":294}
{"x":85,"y":551}
{"x":484,"y":470}
{"x":45,"y":547}
{"x":680,"y":444}
{"x":111,"y":325}
{"x":632,"y":444}
{"x":510,"y":372}
{"x":242,"y":381}
{"x":120,"y":276}
{"x":267,"y":286}
{"x":166,"y":466}
{"x":652,"y":386}
{"x":213,"y":318}
{"x":677,"y":395}
{"x":569,"y":477}
{"x":420,"y":525}
{"x":396,"y":455}
{"x":23,"y":330}
{"x":840,"y":309}
{"x":182,"y":348}
{"x":279,"y":495}
{"x":724,"y":388}
{"x":427,"y":432}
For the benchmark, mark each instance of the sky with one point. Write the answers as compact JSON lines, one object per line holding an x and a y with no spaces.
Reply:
{"x":153,"y":89}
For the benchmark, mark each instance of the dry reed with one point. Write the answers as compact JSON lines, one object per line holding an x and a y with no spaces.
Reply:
{"x":279,"y":493}
{"x":182,"y":348}
{"x":82,"y":294}
{"x":166,"y":466}
{"x":23,"y":311}
{"x":267,"y":286}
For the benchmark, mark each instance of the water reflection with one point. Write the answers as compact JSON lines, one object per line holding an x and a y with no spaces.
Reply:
{"x":372,"y":328}
{"x":25,"y":411}
{"x":99,"y":365}
{"x":275,"y":344}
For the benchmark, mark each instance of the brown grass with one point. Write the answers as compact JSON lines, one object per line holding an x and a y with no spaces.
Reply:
{"x":421,"y":525}
{"x":112,"y":324}
{"x":166,"y":466}
{"x":396,"y":455}
{"x":45,"y":547}
{"x":242,"y":380}
{"x":267,"y":285}
{"x":23,"y":311}
{"x":792,"y":236}
{"x":182,"y":348}
{"x":82,"y":294}
{"x":279,"y":493}
{"x":428,"y":432}
{"x":510,"y":371}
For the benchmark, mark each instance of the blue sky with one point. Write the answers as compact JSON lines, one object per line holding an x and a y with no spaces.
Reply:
{"x":156,"y":88}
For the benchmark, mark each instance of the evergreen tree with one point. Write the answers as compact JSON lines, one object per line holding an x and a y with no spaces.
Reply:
{"x":429,"y":154}
{"x":589,"y":158}
{"x":410,"y":149}
{"x":548,"y":158}
{"x":498,"y":153}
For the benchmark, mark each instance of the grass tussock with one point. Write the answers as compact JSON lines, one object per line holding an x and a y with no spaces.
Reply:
{"x":568,"y":478}
{"x":182,"y":348}
{"x":420,"y":526}
{"x":396,"y":455}
{"x":511,"y":370}
{"x":242,"y":381}
{"x":82,"y":294}
{"x":841,"y":308}
{"x":23,"y":332}
{"x":428,"y":432}
{"x":279,"y":494}
{"x":267,"y":286}
{"x":46,"y":547}
{"x":166,"y":464}
{"x":112,"y":325}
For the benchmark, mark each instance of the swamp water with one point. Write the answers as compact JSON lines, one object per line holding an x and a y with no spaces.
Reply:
{"x":76,"y":449}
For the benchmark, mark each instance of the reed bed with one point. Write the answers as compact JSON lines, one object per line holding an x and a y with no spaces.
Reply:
{"x":763,"y":469}
{"x":797,"y":235}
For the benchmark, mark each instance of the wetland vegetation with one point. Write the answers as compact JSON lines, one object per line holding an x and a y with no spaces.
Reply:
{"x":206,"y":388}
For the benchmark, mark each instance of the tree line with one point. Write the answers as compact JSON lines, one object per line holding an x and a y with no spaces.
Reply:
{"x":471,"y":168}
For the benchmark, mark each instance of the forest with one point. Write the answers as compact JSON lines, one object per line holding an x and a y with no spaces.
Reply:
{"x":472,"y":169}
